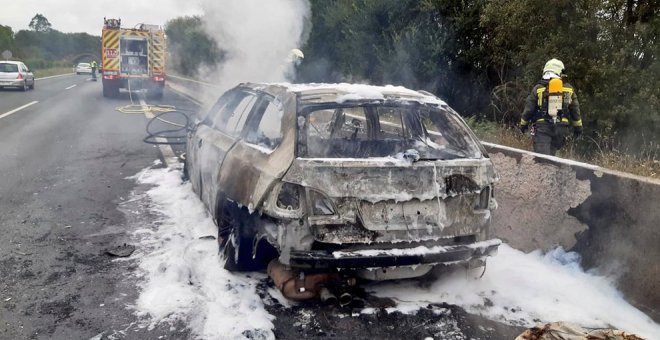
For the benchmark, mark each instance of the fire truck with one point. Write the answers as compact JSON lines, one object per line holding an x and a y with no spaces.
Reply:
{"x":132,"y":58}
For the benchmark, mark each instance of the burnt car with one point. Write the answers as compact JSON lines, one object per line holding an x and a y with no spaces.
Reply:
{"x":380,"y":182}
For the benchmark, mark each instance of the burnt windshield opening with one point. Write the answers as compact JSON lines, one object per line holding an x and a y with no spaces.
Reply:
{"x":384,"y":129}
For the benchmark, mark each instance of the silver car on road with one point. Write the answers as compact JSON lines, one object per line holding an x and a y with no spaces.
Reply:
{"x":83,"y":68}
{"x":16,"y":74}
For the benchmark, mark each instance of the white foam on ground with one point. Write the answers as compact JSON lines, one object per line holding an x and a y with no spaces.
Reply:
{"x":524,"y":289}
{"x":183,"y":278}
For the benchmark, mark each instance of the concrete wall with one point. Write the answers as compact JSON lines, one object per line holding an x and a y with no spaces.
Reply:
{"x":611,"y":218}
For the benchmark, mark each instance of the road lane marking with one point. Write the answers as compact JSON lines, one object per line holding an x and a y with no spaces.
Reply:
{"x":17,"y":109}
{"x":70,"y":87}
{"x":166,"y":150}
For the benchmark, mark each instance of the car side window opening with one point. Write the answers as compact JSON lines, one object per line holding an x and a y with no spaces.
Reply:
{"x":266,"y":128}
{"x":351,"y":123}
{"x":233,"y":118}
{"x":220,"y":109}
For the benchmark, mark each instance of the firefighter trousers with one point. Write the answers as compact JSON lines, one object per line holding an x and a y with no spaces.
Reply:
{"x":549,"y":137}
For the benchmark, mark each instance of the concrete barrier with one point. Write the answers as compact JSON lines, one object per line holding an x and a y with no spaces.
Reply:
{"x":612,"y":219}
{"x":199,"y":91}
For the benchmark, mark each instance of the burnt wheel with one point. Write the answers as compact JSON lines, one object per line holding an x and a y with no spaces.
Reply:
{"x":236,"y":238}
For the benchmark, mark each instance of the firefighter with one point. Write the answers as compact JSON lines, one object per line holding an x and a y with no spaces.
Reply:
{"x":550,"y":109}
{"x":93,"y":65}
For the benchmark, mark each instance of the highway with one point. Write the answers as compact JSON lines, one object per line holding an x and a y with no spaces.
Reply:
{"x":65,"y":155}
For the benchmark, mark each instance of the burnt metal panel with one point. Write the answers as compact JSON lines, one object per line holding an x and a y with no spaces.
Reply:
{"x":249,"y":171}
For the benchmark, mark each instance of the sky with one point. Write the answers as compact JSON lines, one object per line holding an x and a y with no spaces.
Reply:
{"x":87,"y":16}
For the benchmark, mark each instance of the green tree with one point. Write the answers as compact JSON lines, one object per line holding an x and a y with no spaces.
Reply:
{"x":190,"y":47}
{"x":611,"y":53}
{"x":39,"y":23}
{"x":431,"y":45}
{"x":6,"y":38}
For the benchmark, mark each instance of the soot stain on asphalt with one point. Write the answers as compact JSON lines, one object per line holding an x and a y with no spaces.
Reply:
{"x":62,"y":309}
{"x":380,"y":320}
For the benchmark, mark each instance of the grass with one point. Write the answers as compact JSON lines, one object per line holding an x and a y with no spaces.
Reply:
{"x":52,"y":71}
{"x":645,"y":163}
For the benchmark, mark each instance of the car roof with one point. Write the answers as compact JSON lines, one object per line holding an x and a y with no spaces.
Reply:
{"x":11,"y":62}
{"x":342,"y":92}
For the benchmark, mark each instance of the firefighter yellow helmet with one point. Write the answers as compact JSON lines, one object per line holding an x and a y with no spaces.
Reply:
{"x":554,"y":65}
{"x":295,"y":54}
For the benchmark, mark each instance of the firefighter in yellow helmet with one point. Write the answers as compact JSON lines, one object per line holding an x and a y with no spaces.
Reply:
{"x":550,"y":109}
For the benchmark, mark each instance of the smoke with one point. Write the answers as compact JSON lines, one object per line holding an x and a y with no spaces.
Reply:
{"x":257,"y":37}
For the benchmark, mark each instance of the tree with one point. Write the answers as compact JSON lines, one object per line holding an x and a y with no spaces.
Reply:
{"x":39,"y":23}
{"x":6,"y":38}
{"x":190,"y":47}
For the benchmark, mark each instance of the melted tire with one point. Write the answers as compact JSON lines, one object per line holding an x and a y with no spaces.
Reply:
{"x":236,"y":239}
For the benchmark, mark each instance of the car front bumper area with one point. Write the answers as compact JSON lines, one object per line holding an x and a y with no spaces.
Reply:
{"x":392,"y":257}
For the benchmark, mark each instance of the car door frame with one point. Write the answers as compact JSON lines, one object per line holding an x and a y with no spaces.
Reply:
{"x":193,"y":140}
{"x":249,"y":172}
{"x":211,"y":144}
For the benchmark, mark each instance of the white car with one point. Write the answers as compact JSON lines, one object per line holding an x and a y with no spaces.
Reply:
{"x":83,"y":68}
{"x":16,"y":74}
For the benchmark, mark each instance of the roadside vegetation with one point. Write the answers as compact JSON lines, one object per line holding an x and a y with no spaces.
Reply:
{"x":51,"y":71}
{"x":483,"y":57}
{"x":47,"y":51}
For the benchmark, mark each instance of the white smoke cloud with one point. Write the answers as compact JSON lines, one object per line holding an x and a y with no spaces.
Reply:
{"x":257,"y":36}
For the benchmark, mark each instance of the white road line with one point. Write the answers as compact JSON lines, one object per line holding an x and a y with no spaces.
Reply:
{"x":70,"y":87}
{"x":17,"y":109}
{"x":168,"y":154}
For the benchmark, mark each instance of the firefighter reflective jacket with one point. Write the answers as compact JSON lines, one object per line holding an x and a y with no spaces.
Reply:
{"x":536,"y":106}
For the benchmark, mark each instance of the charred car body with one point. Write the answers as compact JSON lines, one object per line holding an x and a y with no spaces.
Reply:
{"x":379,"y":182}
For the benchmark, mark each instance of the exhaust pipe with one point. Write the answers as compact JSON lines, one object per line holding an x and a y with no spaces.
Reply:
{"x":295,"y":285}
{"x":327,"y":297}
{"x":345,"y":299}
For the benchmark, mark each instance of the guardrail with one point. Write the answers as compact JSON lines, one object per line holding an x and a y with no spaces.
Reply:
{"x":199,"y":91}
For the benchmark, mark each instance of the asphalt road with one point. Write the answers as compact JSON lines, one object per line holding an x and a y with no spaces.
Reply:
{"x":64,"y":163}
{"x":64,"y":160}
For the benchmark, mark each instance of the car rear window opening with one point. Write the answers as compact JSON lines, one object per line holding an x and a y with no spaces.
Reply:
{"x":6,"y":67}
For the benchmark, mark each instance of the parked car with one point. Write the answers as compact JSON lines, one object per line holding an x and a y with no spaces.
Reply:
{"x":83,"y":68}
{"x":379,"y":182}
{"x":16,"y":74}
